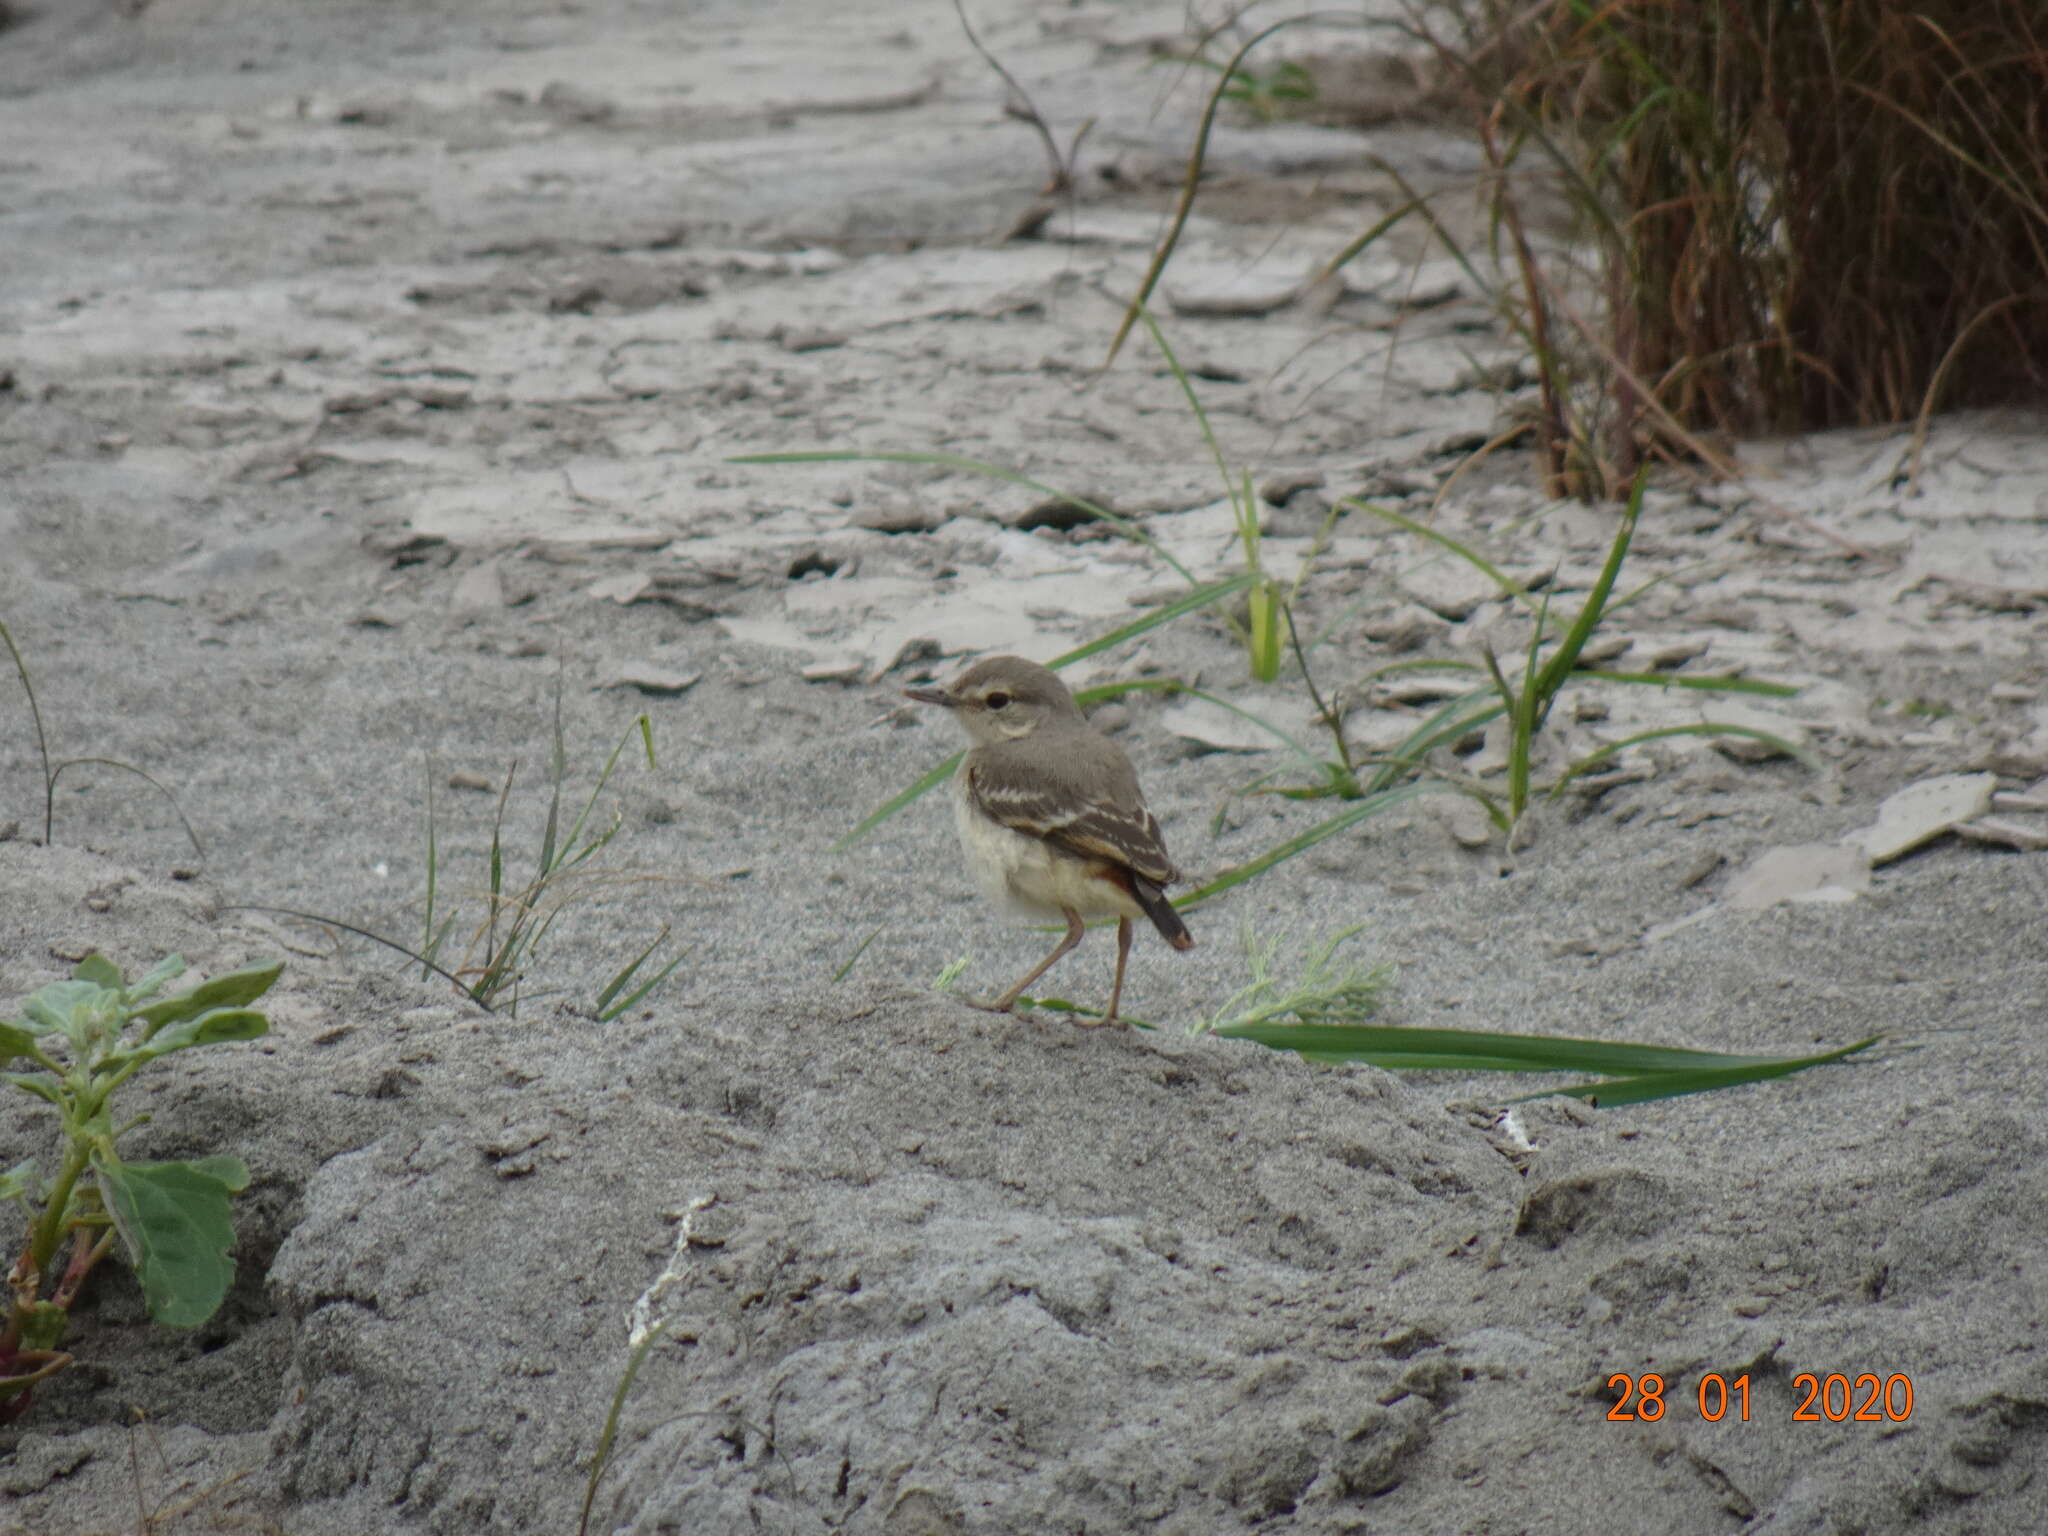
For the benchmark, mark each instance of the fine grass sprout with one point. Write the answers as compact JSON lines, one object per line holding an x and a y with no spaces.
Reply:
{"x":55,"y":770}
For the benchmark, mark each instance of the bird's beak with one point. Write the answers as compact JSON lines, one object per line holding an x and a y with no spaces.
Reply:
{"x":937,"y":696}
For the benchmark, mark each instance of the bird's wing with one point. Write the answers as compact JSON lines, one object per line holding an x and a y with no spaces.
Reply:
{"x":1090,"y":806}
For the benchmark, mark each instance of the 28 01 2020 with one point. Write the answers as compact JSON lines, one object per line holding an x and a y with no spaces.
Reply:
{"x":1835,"y":1398}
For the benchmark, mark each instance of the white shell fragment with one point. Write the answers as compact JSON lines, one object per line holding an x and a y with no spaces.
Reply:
{"x":1802,"y":872}
{"x":1921,"y":812}
{"x":649,"y":678}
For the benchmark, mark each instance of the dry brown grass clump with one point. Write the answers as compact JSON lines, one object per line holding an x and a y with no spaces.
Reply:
{"x":1808,"y":213}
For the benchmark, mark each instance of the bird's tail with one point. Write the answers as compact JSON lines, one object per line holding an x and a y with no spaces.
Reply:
{"x":1160,"y":910}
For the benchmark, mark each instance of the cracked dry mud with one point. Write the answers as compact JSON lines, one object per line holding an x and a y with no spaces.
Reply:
{"x":366,"y":370}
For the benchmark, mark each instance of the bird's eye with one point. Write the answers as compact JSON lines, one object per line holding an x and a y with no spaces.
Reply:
{"x":998,"y":699}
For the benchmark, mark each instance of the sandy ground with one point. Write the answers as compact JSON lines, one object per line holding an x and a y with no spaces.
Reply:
{"x":371,"y":372}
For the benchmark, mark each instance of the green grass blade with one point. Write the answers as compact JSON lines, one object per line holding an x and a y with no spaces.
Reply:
{"x":108,"y":762}
{"x":429,"y":942}
{"x":1618,"y":1091}
{"x":35,"y":715}
{"x":1494,"y":1051}
{"x":1350,"y":816}
{"x":1188,"y":602}
{"x":601,"y":1459}
{"x":1592,"y":760}
{"x":1470,"y":556}
{"x":1272,"y":730}
{"x":611,"y":764}
{"x":1187,"y":389}
{"x":558,"y":770}
{"x":1454,"y":719}
{"x":632,"y":999}
{"x":435,"y":940}
{"x":625,"y":975}
{"x":375,"y":938}
{"x":929,"y":780}
{"x":859,"y":950}
{"x":1566,"y":656}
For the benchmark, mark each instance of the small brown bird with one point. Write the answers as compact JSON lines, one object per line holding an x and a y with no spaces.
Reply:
{"x":1050,"y":814}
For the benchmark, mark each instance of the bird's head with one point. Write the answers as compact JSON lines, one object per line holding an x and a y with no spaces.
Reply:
{"x":1003,"y":698}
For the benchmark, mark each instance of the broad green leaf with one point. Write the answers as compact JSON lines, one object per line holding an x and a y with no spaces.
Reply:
{"x":215,"y":1028}
{"x":237,"y":989}
{"x":100,"y":971}
{"x":15,"y":1041}
{"x":41,"y":1084}
{"x":18,"y":1180}
{"x":176,"y":1223}
{"x":230,"y":1170}
{"x":166,"y":970}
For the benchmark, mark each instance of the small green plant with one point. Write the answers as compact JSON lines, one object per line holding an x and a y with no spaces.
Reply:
{"x":83,"y":1039}
{"x":1326,"y":991}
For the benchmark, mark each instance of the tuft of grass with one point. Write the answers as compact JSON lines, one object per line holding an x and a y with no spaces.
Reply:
{"x":517,"y":916}
{"x":1325,"y":992}
{"x":1802,"y":215}
{"x":1780,"y":215}
{"x":518,"y":913}
{"x":53,"y":771}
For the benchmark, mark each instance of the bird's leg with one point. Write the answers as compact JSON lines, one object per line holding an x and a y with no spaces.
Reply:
{"x":1123,"y":953}
{"x":1008,"y":1000}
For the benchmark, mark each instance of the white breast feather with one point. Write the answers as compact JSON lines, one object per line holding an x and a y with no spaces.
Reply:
{"x":1025,"y":875}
